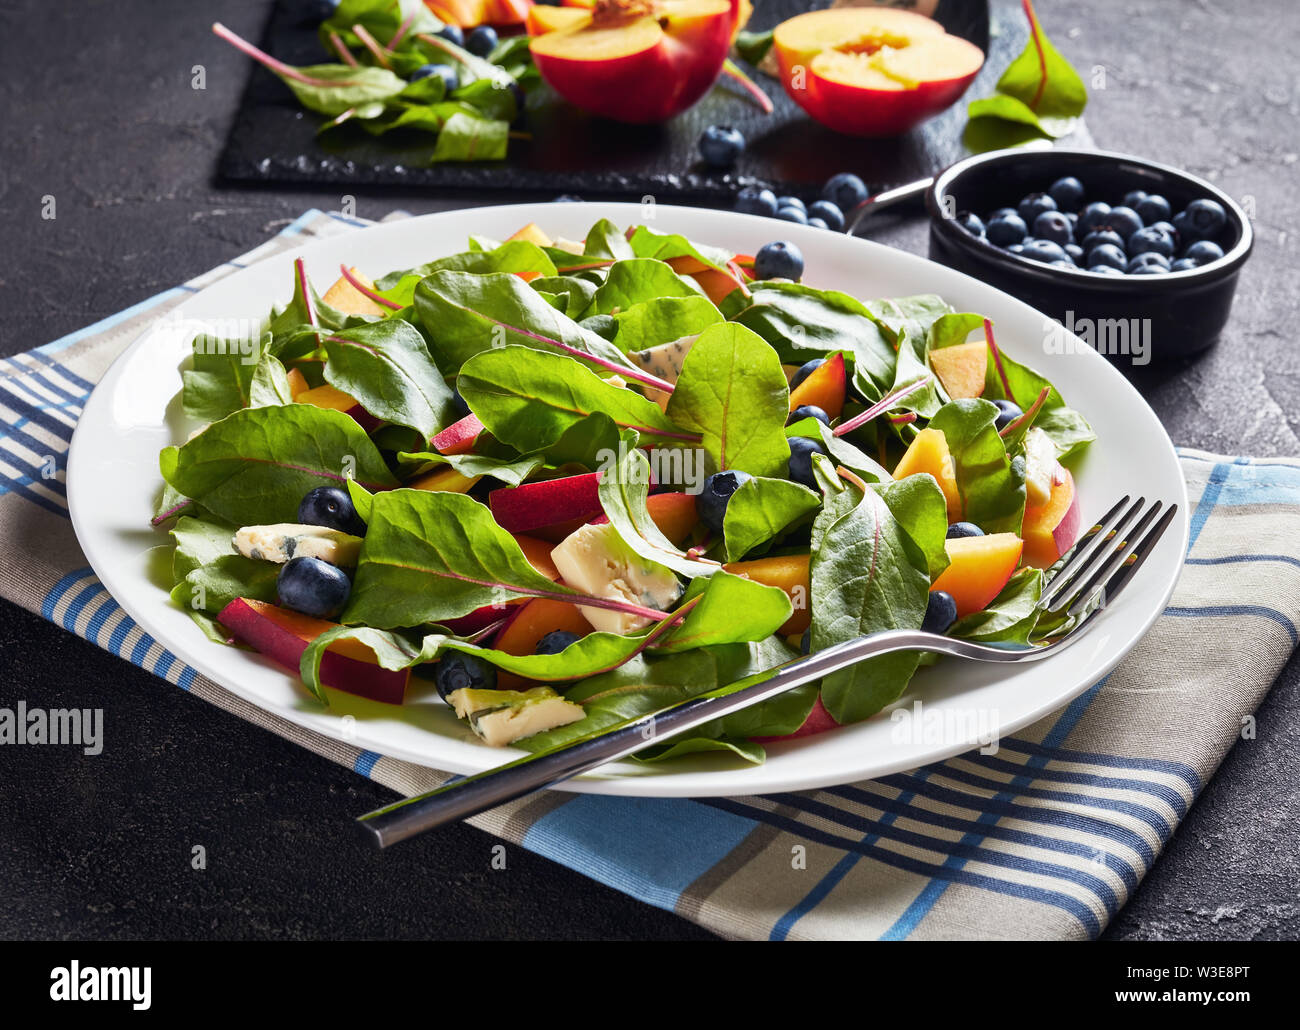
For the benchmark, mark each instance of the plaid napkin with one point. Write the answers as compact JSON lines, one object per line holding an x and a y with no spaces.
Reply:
{"x":1046,"y":838}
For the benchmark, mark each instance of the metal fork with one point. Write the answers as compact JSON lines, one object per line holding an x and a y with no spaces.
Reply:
{"x":1082,"y":584}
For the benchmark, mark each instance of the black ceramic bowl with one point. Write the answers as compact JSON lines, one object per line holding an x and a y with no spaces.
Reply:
{"x":1180,"y":312}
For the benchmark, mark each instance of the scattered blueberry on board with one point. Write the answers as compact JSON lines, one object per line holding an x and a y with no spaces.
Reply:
{"x":721,"y":146}
{"x":1141,"y":235}
{"x":841,"y":194}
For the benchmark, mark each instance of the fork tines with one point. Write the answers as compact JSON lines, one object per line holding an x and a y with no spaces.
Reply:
{"x":1106,"y":556}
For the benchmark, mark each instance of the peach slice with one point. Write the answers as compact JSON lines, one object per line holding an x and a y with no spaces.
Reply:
{"x":872,"y":71}
{"x":538,"y":553}
{"x":326,"y":396}
{"x":929,"y":453}
{"x":345,"y":297}
{"x":283,"y":635}
{"x":978,"y":569}
{"x":459,"y":437}
{"x":532,"y":232}
{"x":530,"y":506}
{"x":445,"y":480}
{"x":825,"y":387}
{"x":297,"y":383}
{"x":961,"y":368}
{"x":637,"y":61}
{"x":790,"y":572}
{"x":673,"y":513}
{"x":1051,"y":529}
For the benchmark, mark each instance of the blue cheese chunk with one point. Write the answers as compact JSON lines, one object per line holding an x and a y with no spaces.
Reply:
{"x":664,"y":361}
{"x":287,"y":540}
{"x":1040,"y":467}
{"x":501,"y":717}
{"x":597,"y":561}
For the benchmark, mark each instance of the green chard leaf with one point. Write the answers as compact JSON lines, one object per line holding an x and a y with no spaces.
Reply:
{"x":1068,"y":429}
{"x":220,"y":379}
{"x":467,"y":137}
{"x":254,"y":466}
{"x":663,"y":320}
{"x":801,"y":323}
{"x":646,"y":243}
{"x":918,"y":505}
{"x":638,"y":280}
{"x":733,"y":392}
{"x":606,"y":240}
{"x":991,"y":485}
{"x":761,"y":510}
{"x":468,"y":314}
{"x":387,"y":368}
{"x":867,"y":575}
{"x":529,"y":398}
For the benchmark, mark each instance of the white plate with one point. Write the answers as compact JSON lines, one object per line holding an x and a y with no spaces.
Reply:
{"x":113,"y":482}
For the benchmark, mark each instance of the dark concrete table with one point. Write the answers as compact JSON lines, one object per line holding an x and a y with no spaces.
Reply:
{"x":100,"y":114}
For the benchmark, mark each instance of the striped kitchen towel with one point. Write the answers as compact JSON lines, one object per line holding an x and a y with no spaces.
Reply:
{"x":1047,"y":838}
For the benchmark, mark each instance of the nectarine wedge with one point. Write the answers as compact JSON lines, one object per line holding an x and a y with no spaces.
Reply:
{"x":978,"y":569}
{"x":961,"y":368}
{"x":789,"y":572}
{"x":928,"y":452}
{"x":1051,"y":529}
{"x":825,"y":387}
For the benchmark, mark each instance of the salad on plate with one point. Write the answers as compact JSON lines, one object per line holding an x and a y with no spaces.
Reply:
{"x":568,"y":483}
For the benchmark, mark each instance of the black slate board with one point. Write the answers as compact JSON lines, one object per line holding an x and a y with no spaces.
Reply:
{"x":273,"y":140}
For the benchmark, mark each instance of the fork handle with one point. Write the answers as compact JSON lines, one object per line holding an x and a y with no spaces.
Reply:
{"x":462,"y":798}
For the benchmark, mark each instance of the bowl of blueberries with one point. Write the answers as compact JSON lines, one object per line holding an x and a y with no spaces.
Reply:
{"x":1116,"y":248}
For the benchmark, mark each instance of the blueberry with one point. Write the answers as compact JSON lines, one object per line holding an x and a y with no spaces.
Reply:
{"x":792,"y":214}
{"x":313,"y":587}
{"x":315,"y":11}
{"x":754,"y":200}
{"x":1123,"y":220}
{"x":1183,"y":265}
{"x":1063,"y":263}
{"x":721,"y":146}
{"x":802,"y":450}
{"x":805,"y":641}
{"x":1202,"y":252}
{"x":817,"y":223}
{"x":1002,"y":212}
{"x":567,"y":198}
{"x":444,"y":71}
{"x":1098,"y":237}
{"x":940,"y":612}
{"x":778,"y":260}
{"x":1135,"y":197}
{"x":788,"y":201}
{"x":1045,"y":251}
{"x":330,"y":506}
{"x":1075,"y":252}
{"x":555,"y":641}
{"x":1054,"y":226}
{"x":1015,"y":248}
{"x":1092,"y":216}
{"x":1206,"y":217}
{"x":715,"y":495}
{"x":1150,"y":270}
{"x":828,"y":212}
{"x":457,"y":671}
{"x":1008,"y":412}
{"x":1152,"y":208}
{"x":458,"y":404}
{"x":1150,"y":240}
{"x":1148,"y":259}
{"x":846,"y":191}
{"x":482,"y":41}
{"x":960,"y":529}
{"x":1107,"y":254}
{"x":1067,"y":192}
{"x":1105,"y":270}
{"x":970,"y":223}
{"x":1034,"y":205}
{"x":1006,"y":230}
{"x":452,"y":34}
{"x":809,"y":411}
{"x":805,"y":370}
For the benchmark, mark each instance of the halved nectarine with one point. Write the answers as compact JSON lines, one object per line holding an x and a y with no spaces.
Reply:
{"x":872,"y":71}
{"x":978,"y":569}
{"x":637,"y":61}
